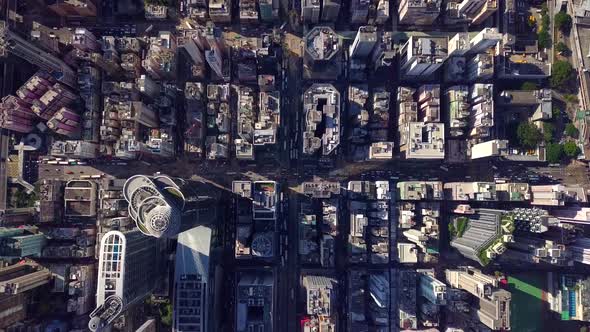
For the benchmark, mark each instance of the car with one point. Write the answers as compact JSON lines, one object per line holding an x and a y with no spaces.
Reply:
{"x":69,"y":172}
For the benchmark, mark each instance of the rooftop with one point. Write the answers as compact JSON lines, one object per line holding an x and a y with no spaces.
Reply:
{"x":321,"y":103}
{"x":80,"y":198}
{"x":322,"y":43}
{"x":424,"y":140}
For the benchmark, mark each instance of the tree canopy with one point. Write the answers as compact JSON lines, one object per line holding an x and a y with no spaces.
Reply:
{"x":571,"y":149}
{"x":560,"y":47}
{"x":563,"y":21}
{"x":528,"y":135}
{"x":548,"y":130}
{"x":544,"y":39}
{"x":562,"y":72}
{"x":554,"y":153}
{"x":571,"y":130}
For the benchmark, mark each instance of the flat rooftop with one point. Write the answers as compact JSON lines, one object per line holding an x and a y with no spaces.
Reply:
{"x":322,"y":43}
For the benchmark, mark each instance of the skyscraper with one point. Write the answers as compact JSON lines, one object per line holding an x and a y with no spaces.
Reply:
{"x":330,"y":10}
{"x":364,"y":42}
{"x":193,"y":276}
{"x":493,"y":308}
{"x":478,"y":10}
{"x":432,"y":289}
{"x":254,"y":302}
{"x":16,"y":115}
{"x":485,"y":39}
{"x":157,"y":203}
{"x":269,"y":10}
{"x":419,"y":12}
{"x":310,"y":11}
{"x":580,"y":250}
{"x":129,"y":269}
{"x":12,"y":43}
{"x":484,"y":228}
{"x":320,"y":295}
{"x":421,"y":57}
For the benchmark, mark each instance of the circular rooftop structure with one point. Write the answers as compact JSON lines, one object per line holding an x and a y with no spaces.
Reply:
{"x":155,"y":206}
{"x":262,"y":245}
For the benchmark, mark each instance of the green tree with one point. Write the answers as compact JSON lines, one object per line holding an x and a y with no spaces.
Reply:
{"x":556,"y":113}
{"x":561,"y":73}
{"x":166,"y":314}
{"x":561,"y":48}
{"x":545,"y":22}
{"x":571,"y":149}
{"x":563,"y":22}
{"x":452,"y":230}
{"x":528,"y":135}
{"x":548,"y":130}
{"x":544,"y":9}
{"x":554,"y":152}
{"x":544,"y":39}
{"x":571,"y":130}
{"x":529,"y":86}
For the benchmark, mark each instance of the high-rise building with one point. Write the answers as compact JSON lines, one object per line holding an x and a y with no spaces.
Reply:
{"x":478,"y":241}
{"x":321,"y":295}
{"x":480,"y":67}
{"x":323,"y":56}
{"x":432,"y":289}
{"x":220,"y":11}
{"x":477,"y":11}
{"x":379,"y":289}
{"x":494,"y":304}
{"x":321,"y":101}
{"x":215,"y":60}
{"x":148,"y":87}
{"x":269,"y":10}
{"x":248,"y":11}
{"x":74,"y":149}
{"x":310,"y":11}
{"x":459,"y":44}
{"x":359,"y":10}
{"x":35,"y":87}
{"x":193,"y":280}
{"x":421,"y":57}
{"x":21,"y":242}
{"x":254,"y":302}
{"x":56,"y":97}
{"x":65,"y":122}
{"x":485,"y":39}
{"x":85,"y":40}
{"x":16,"y":115}
{"x":14,"y":309}
{"x":142,"y":114}
{"x":383,"y":54}
{"x":580,"y":250}
{"x":330,"y":10}
{"x":196,"y":9}
{"x":129,"y":269}
{"x":19,"y":278}
{"x":364,"y":42}
{"x":419,"y":12}
{"x":157,"y":204}
{"x":12,"y":43}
